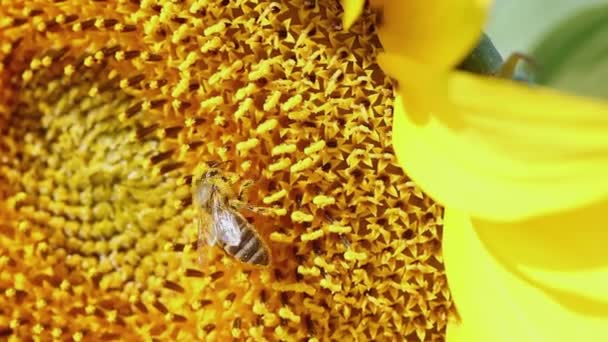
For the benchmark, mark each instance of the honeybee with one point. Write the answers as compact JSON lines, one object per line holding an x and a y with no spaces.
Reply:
{"x":486,"y":60}
{"x":220,"y":222}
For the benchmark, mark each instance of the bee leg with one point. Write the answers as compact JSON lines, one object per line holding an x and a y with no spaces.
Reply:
{"x":238,"y":205}
{"x":243,"y":188}
{"x":512,"y":65}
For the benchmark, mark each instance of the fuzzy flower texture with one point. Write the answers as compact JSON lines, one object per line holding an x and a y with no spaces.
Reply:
{"x":108,"y":109}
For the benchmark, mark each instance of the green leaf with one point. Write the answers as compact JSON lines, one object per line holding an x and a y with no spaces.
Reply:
{"x":573,"y":56}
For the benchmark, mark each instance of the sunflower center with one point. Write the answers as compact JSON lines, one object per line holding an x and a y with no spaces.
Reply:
{"x":87,"y":178}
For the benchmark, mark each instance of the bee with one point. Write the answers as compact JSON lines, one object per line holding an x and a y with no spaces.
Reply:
{"x":220,"y":222}
{"x":485,"y":59}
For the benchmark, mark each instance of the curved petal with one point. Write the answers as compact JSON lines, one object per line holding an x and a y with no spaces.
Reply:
{"x":495,"y":277}
{"x":438,"y":32}
{"x":503,"y":151}
{"x":352,"y":11}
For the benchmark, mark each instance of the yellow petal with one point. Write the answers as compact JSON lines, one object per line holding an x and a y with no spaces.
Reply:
{"x":437,"y":32}
{"x":546,"y":277}
{"x":506,"y":151}
{"x":352,"y":11}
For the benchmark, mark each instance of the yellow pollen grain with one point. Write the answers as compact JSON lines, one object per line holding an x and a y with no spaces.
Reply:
{"x":69,"y":70}
{"x":266,"y":126}
{"x":281,"y":333}
{"x":259,"y":308}
{"x":300,"y":217}
{"x":93,"y":92}
{"x":334,"y":228}
{"x":299,"y":115}
{"x":40,"y":303}
{"x":351,"y":255}
{"x":89,"y":61}
{"x":181,"y":87}
{"x":244,"y":92}
{"x":189,"y":122}
{"x":271,"y":101}
{"x":246,"y":146}
{"x":56,"y":332}
{"x":327,"y":284}
{"x":89,"y":309}
{"x":319,"y":261}
{"x":301,"y":165}
{"x":60,"y":19}
{"x":111,"y":316}
{"x":47,"y":61}
{"x":291,"y":103}
{"x":179,"y":34}
{"x":279,"y":165}
{"x":244,"y":107}
{"x":10,"y":292}
{"x":309,"y":271}
{"x":38,"y":329}
{"x":315,"y":147}
{"x":286,"y":313}
{"x":283,"y":149}
{"x":212,"y":102}
{"x":35,"y":64}
{"x":314,"y":235}
{"x":275,"y":196}
{"x":219,"y":120}
{"x":323,"y":201}
{"x":246,"y":165}
{"x":211,"y":45}
{"x":261,"y":72}
{"x":279,"y":211}
{"x":27,"y":75}
{"x":20,"y":281}
{"x":77,"y":336}
{"x":99,"y":23}
{"x":215,"y":28}
{"x":281,"y":238}
{"x":99,"y":55}
{"x":190,"y":59}
{"x":65,"y":285}
{"x":41,"y":26}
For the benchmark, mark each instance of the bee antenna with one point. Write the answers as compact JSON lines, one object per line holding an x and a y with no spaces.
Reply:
{"x":217,"y":163}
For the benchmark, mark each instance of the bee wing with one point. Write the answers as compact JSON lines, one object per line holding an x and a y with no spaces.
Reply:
{"x":206,"y":232}
{"x":226,"y":225}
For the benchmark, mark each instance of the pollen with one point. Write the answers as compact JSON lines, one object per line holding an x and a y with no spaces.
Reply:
{"x":323,"y":201}
{"x":111,"y":111}
{"x":266,"y":126}
{"x":275,"y":197}
{"x":299,"y":216}
{"x":314,"y":235}
{"x":245,"y":146}
{"x":301,"y":165}
{"x":292,"y":102}
{"x":283,"y":149}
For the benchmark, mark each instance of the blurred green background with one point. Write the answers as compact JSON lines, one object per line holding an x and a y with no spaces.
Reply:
{"x":515,"y":25}
{"x":573,"y":56}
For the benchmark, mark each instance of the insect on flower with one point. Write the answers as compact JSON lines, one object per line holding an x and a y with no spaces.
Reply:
{"x":486,"y":60}
{"x":220,"y":222}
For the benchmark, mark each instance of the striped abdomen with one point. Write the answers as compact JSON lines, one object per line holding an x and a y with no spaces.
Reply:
{"x":251,"y":249}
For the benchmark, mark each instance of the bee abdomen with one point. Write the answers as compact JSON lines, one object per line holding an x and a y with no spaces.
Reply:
{"x":250,"y":250}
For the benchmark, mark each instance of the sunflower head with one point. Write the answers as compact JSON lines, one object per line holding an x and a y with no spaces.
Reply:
{"x":111,"y":110}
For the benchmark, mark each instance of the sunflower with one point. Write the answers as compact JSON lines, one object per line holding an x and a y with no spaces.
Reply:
{"x":108,"y":109}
